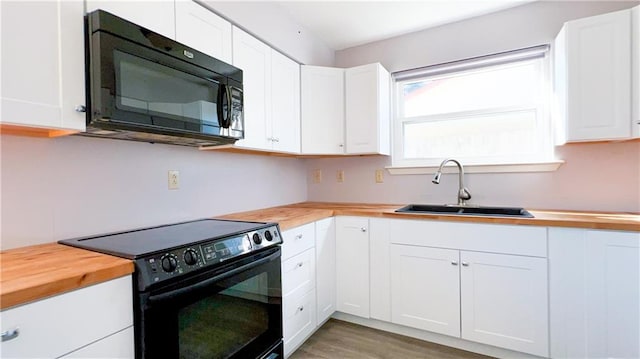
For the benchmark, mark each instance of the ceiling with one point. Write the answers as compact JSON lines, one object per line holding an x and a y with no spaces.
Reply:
{"x":344,"y":24}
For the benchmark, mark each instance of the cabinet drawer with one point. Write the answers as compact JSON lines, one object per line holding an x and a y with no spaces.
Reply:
{"x":58,"y":325}
{"x":298,"y":240}
{"x":118,"y":345}
{"x":299,"y":319}
{"x":298,"y":273}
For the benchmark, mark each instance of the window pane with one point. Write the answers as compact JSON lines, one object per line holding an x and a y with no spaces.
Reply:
{"x":508,"y":133}
{"x":497,"y":86}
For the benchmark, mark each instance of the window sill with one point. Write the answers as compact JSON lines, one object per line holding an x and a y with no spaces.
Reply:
{"x":489,"y":168}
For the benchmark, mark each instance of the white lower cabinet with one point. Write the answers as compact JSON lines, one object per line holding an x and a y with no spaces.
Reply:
{"x":425,"y":288}
{"x":483,"y":283}
{"x":89,"y":322}
{"x":594,"y":293}
{"x":326,"y":268}
{"x":504,"y":301}
{"x":352,"y":265}
{"x":298,"y":286}
{"x":119,"y":345}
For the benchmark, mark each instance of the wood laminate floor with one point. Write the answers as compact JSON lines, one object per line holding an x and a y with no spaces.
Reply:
{"x":337,"y":339}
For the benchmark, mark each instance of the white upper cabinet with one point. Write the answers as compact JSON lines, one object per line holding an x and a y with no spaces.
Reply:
{"x":254,"y":58}
{"x":635,"y":62}
{"x":367,"y":109}
{"x":593,"y":77}
{"x":271,"y":85}
{"x":322,"y":92}
{"x":285,"y":108}
{"x":201,"y":29}
{"x":42,"y":64}
{"x":345,"y":111}
{"x":157,"y":16}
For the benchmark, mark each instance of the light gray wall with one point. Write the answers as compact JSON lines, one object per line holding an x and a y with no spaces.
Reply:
{"x":267,"y":21}
{"x":74,"y":186}
{"x":523,"y":26}
{"x":599,"y":176}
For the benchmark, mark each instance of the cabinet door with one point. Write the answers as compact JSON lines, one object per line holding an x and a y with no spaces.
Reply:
{"x":425,"y":288}
{"x":635,"y":61}
{"x":504,"y":301}
{"x":598,"y":65}
{"x":201,"y":29}
{"x":118,"y":345}
{"x":157,"y":16}
{"x":254,"y":58}
{"x":352,"y":265}
{"x":367,"y":109}
{"x":326,"y":268}
{"x":595,"y":293}
{"x":38,"y":93}
{"x":322,"y":98}
{"x":285,"y":94}
{"x":380,"y":269}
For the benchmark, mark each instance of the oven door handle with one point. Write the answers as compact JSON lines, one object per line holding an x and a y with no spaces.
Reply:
{"x":207,"y":282}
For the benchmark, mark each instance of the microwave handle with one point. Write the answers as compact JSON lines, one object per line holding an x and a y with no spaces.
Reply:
{"x":224,"y":97}
{"x":209,"y":281}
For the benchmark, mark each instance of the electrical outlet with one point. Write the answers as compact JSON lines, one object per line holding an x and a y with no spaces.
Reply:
{"x":379,"y":176}
{"x":340,"y":176}
{"x":174,"y":179}
{"x":317,"y":176}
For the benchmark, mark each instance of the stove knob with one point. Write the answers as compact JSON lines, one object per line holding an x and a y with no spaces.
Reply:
{"x":190,"y":257}
{"x":169,"y":263}
{"x":267,"y":236}
{"x":256,"y":238}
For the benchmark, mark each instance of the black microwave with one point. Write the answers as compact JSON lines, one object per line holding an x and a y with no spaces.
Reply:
{"x":143,"y":86}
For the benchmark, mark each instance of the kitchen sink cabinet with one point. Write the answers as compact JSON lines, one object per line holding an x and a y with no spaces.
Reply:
{"x":203,"y":30}
{"x":593,"y":74}
{"x":326,"y":268}
{"x":352,"y":265}
{"x":483,"y":283}
{"x":271,"y":87}
{"x":94,"y":321}
{"x":42,"y":66}
{"x":345,"y":111}
{"x":594,"y":293}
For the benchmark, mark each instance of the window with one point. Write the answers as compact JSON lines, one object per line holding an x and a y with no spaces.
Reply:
{"x":488,"y":110}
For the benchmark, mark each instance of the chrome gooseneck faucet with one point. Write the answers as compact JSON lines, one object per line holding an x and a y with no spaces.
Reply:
{"x":463,"y":192}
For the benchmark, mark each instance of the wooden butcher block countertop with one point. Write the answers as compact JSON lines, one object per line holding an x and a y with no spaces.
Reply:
{"x":36,"y":272}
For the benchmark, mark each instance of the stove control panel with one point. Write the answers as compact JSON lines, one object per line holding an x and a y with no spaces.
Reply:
{"x":156,"y":268}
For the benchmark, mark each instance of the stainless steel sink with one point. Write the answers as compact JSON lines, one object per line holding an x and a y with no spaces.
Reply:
{"x":468,"y":210}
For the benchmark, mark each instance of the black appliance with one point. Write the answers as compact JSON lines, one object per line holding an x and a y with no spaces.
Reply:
{"x":202,"y":289}
{"x":143,"y":86}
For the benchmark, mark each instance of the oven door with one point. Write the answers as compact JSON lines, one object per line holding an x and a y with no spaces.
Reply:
{"x":134,"y":87}
{"x":234,"y":311}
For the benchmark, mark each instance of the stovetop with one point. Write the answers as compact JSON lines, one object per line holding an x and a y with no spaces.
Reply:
{"x":138,"y":243}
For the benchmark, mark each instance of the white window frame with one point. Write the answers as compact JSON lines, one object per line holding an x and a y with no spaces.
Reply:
{"x":542,"y":161}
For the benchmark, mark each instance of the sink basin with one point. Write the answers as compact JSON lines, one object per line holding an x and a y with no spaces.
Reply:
{"x":469,"y":210}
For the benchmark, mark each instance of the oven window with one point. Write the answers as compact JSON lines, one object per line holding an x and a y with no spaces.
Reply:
{"x":219,"y":325}
{"x":168,"y":97}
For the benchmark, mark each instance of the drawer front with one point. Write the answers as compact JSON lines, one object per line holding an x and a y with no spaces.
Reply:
{"x":298,"y":273}
{"x":299,"y":319}
{"x":58,"y":325}
{"x":297,"y":240}
{"x":118,"y":345}
{"x":495,"y":238}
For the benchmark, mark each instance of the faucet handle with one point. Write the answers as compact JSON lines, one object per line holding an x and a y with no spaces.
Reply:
{"x":463,"y":195}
